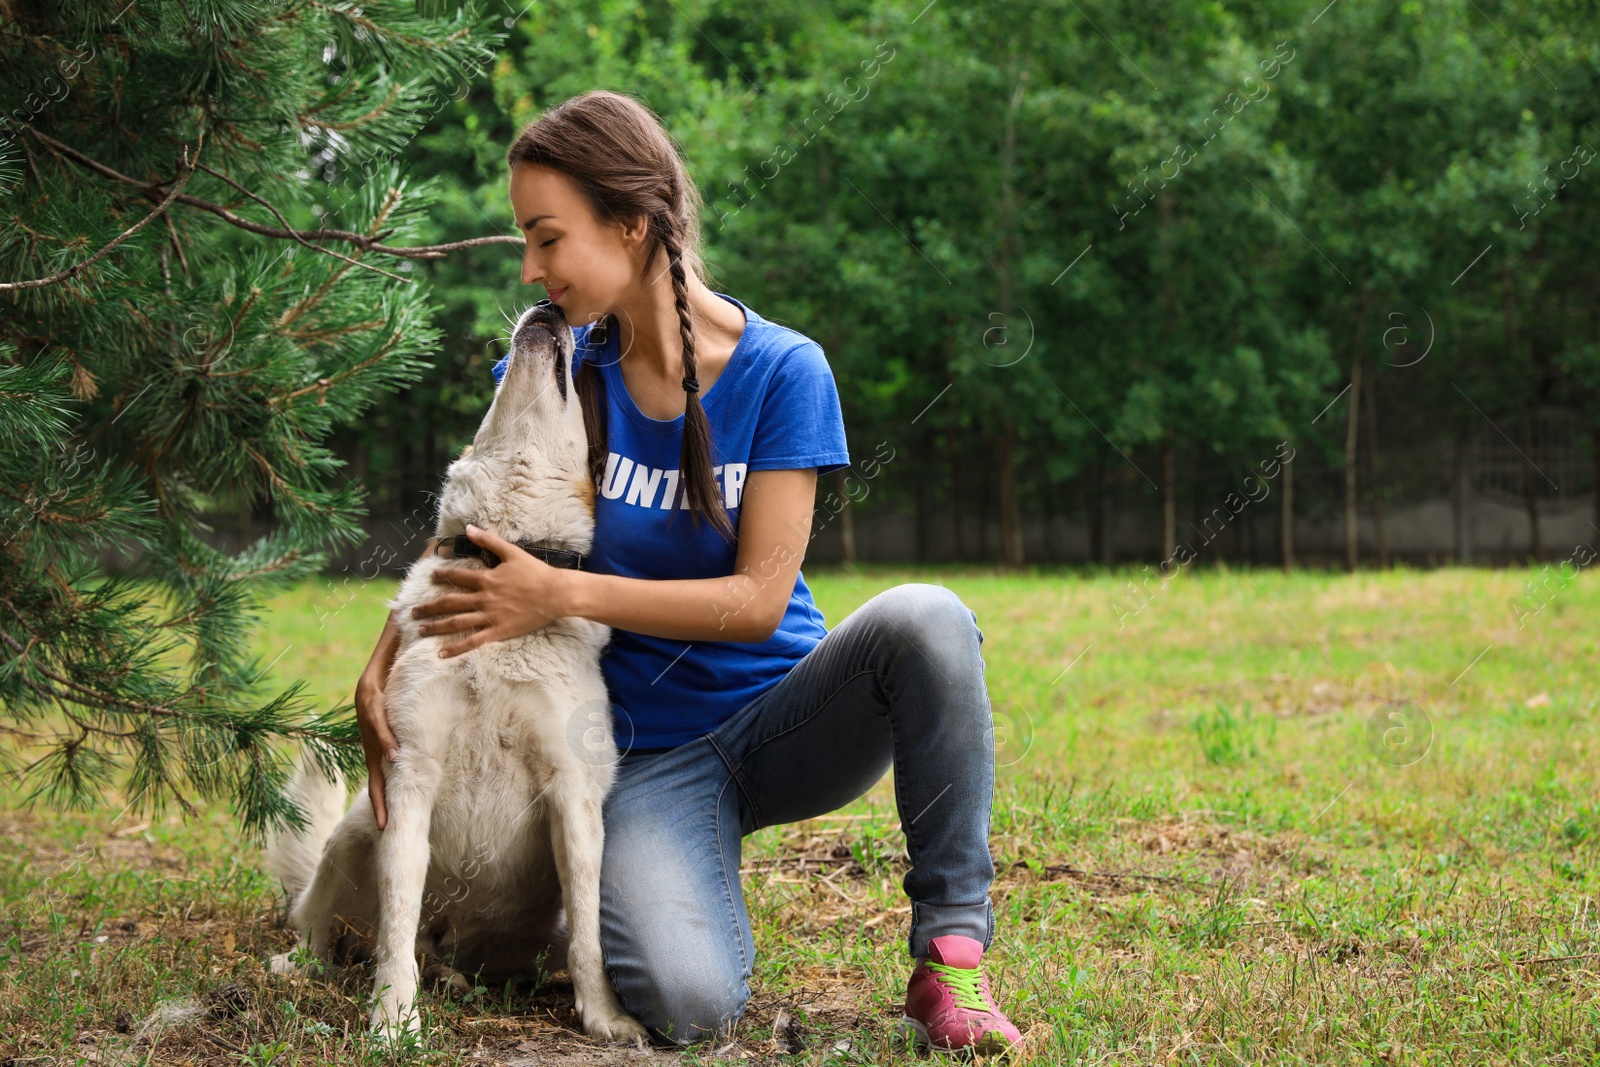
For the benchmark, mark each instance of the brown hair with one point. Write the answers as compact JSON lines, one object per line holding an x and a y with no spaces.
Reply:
{"x":622,"y":158}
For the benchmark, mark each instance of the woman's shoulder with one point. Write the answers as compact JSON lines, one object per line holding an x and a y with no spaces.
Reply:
{"x":772,"y":345}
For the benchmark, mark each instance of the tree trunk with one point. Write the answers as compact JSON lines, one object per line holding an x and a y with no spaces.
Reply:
{"x":1351,"y":549}
{"x":1169,"y":319}
{"x":408,"y":468}
{"x":1530,"y":491}
{"x":1093,"y":515}
{"x":1169,"y":501}
{"x":1099,"y":508}
{"x":957,"y":519}
{"x":1107,"y":548}
{"x":1374,"y":483}
{"x":241,"y":526}
{"x":835,"y":342}
{"x":924,"y":503}
{"x":1010,"y":524}
{"x":433,"y":459}
{"x":1010,"y":508}
{"x":1463,"y":499}
{"x":987,"y":507}
{"x":1286,"y":517}
{"x":847,"y":517}
{"x":1047,"y":513}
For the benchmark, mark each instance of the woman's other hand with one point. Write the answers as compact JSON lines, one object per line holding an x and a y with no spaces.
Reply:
{"x":518,"y":596}
{"x":376,"y":741}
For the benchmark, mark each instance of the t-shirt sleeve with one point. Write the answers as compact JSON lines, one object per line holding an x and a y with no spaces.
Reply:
{"x":801,"y":424}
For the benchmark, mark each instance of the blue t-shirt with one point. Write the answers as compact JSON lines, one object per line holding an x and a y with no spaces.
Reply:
{"x":774,"y":407}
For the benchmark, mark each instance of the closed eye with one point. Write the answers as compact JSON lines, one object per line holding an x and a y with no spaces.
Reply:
{"x":547,"y":244}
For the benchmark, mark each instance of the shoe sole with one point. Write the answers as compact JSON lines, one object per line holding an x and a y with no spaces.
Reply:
{"x":988,"y":1043}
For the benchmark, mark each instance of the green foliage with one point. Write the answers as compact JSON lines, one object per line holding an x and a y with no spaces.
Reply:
{"x":1090,"y":236}
{"x":164,"y":358}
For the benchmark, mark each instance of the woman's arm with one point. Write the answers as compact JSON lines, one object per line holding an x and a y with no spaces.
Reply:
{"x":774,"y":531}
{"x":524,"y":593}
{"x":377,"y":742}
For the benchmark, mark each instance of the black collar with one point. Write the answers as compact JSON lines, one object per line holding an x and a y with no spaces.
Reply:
{"x":463,"y":546}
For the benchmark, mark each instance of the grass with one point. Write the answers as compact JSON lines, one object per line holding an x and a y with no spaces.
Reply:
{"x":1240,"y":818}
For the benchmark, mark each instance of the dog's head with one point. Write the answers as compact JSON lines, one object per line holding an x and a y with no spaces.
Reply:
{"x":541,"y":350}
{"x":537,"y":397}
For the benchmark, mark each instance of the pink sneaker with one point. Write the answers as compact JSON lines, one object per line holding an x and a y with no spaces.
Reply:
{"x":948,"y":1005}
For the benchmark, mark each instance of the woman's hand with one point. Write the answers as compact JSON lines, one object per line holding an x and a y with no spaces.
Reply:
{"x":520,"y":595}
{"x":376,"y":741}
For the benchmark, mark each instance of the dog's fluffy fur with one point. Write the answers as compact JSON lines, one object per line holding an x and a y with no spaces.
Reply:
{"x":506,"y":752}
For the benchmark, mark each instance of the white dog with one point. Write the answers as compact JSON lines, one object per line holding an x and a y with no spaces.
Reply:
{"x":506,"y":753}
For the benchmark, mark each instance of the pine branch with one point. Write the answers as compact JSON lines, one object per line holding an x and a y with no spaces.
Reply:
{"x":365,"y":242}
{"x":186,"y":172}
{"x":381,"y":32}
{"x":39,"y":513}
{"x":322,"y":385}
{"x":301,"y":240}
{"x":67,"y":694}
{"x":354,"y":124}
{"x":73,"y":691}
{"x":314,"y":300}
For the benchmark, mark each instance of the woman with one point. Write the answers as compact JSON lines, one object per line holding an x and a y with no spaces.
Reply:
{"x":734,"y":706}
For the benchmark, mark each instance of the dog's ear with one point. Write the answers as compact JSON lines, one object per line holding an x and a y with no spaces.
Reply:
{"x":465,"y":452}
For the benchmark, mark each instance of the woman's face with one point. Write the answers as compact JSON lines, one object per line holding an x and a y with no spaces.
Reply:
{"x":586,"y":265}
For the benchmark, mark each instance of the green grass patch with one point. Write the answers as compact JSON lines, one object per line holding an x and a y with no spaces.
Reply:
{"x":1240,"y":818}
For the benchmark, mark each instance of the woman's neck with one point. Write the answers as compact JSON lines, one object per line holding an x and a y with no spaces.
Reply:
{"x":648,"y":324}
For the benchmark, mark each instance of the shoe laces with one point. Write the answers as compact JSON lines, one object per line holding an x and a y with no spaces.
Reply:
{"x":964,"y":984}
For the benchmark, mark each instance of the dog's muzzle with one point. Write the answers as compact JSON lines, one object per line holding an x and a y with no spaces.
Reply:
{"x":462,"y":547}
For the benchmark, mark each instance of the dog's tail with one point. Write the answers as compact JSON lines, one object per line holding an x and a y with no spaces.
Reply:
{"x":293,"y":855}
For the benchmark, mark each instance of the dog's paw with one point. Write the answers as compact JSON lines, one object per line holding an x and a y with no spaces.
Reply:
{"x":437,"y":971}
{"x":615,"y":1027}
{"x":283,"y":964}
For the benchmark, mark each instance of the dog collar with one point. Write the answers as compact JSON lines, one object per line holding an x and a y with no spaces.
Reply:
{"x":462,"y":546}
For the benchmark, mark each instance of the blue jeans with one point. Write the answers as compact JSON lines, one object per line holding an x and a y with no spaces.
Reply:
{"x":899,"y":682}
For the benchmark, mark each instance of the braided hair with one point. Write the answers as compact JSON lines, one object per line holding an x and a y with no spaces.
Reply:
{"x":620,"y":155}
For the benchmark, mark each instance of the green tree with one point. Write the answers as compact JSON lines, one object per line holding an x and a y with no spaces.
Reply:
{"x":181,"y":335}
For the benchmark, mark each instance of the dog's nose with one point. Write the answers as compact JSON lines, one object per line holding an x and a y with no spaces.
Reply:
{"x":542,"y":321}
{"x":547,"y":310}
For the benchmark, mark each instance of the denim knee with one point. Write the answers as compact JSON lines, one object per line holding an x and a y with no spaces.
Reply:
{"x":693,"y":1007}
{"x":925,"y":612}
{"x":676,"y":943}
